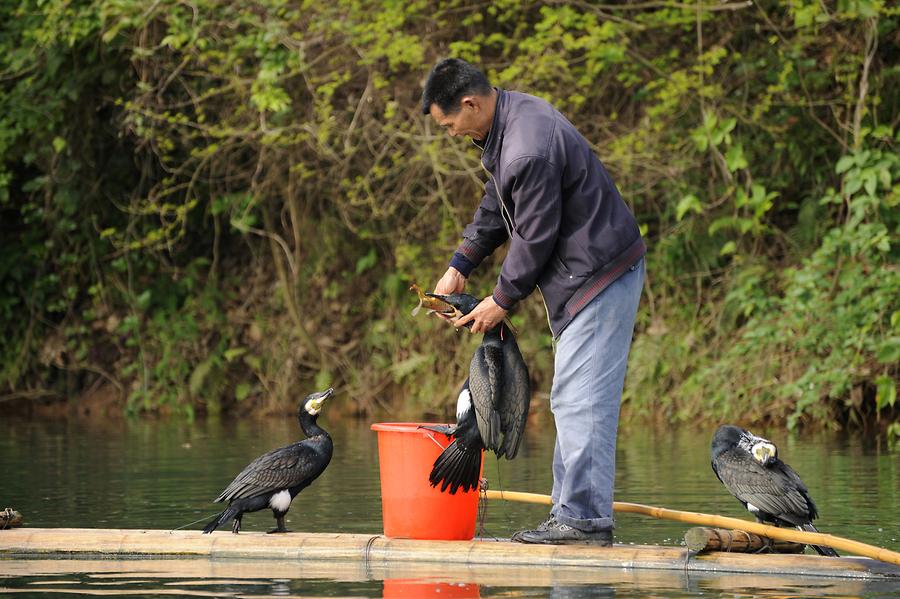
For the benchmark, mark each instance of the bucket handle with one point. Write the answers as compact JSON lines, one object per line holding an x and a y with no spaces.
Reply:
{"x":431,"y":436}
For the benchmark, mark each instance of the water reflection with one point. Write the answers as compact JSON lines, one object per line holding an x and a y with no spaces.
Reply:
{"x":422,"y":587}
{"x":276,"y":578}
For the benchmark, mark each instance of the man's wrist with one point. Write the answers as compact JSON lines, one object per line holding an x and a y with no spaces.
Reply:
{"x":502,"y":300}
{"x":462,"y":265}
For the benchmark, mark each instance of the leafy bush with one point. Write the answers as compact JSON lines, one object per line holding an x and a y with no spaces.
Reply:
{"x":206,"y":205}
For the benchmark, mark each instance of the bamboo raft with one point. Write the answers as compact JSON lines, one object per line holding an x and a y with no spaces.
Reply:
{"x":380,"y":551}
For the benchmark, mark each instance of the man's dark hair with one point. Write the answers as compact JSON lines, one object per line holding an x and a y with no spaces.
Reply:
{"x":449,"y":81}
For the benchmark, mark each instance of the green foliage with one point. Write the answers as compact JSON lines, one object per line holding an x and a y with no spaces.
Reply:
{"x":832,"y":328}
{"x":208,"y":205}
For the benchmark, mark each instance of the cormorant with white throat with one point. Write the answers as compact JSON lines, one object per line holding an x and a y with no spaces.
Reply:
{"x":273,"y":479}
{"x":771,"y":490}
{"x":492,"y":407}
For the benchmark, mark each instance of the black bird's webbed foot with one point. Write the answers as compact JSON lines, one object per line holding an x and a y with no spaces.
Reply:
{"x":236,"y":527}
{"x":444,"y":429}
{"x":689,"y":554}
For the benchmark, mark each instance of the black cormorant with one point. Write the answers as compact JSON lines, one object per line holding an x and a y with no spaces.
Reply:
{"x":492,"y":407}
{"x":749,"y":468}
{"x":273,"y":479}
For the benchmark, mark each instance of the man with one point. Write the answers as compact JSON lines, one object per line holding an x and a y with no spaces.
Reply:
{"x":573,"y":237}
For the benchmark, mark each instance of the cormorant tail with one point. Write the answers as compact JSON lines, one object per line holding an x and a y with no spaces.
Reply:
{"x":456,"y":467}
{"x":221,"y":519}
{"x":826,"y":551}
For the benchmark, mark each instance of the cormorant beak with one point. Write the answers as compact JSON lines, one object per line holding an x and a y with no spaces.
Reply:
{"x":314,"y":401}
{"x":764,"y":452}
{"x":451,"y":310}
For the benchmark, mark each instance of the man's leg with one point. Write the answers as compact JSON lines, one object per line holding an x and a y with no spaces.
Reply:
{"x":559,"y":471}
{"x":590,"y":363}
{"x":558,"y":475}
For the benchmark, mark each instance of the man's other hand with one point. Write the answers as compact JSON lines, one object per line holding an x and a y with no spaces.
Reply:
{"x":484,"y":317}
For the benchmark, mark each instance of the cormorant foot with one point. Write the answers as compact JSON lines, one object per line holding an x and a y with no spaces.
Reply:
{"x":277,"y":530}
{"x":444,"y":429}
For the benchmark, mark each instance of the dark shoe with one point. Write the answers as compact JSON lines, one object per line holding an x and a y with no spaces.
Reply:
{"x":558,"y":533}
{"x":550,"y":521}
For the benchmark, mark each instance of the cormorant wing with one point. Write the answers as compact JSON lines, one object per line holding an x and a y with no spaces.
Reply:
{"x":485,"y":387}
{"x":768,"y":489}
{"x":793,"y":479}
{"x":516,"y":395}
{"x":278,"y":469}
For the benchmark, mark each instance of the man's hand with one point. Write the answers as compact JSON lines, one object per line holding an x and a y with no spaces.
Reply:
{"x":452,"y":282}
{"x":484,"y":317}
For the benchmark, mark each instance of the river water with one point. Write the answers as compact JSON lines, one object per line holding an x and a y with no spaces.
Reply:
{"x":164,"y":474}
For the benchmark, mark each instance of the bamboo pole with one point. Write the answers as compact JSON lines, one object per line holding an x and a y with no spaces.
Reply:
{"x":773,"y":532}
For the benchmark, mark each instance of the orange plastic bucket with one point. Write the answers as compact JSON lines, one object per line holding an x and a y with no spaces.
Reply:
{"x":411,"y":508}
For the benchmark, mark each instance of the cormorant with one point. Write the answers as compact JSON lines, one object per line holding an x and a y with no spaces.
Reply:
{"x":273,"y":479}
{"x":771,"y":490}
{"x":492,"y":407}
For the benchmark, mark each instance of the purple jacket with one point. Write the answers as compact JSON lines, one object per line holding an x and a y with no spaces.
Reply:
{"x":571,"y":233}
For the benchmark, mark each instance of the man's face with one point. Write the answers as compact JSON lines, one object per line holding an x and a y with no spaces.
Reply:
{"x":468,"y":120}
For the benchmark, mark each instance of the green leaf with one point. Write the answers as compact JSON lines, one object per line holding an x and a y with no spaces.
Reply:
{"x":366,"y":262}
{"x":234,"y":352}
{"x":730,"y":247}
{"x":853,"y":185}
{"x":701,"y":138}
{"x":59,"y":144}
{"x":886,"y":393}
{"x":689,"y":203}
{"x":143,"y":300}
{"x":725,"y":222}
{"x":242,"y":391}
{"x":870,"y":181}
{"x":198,"y":376}
{"x":729,"y":124}
{"x":889,"y":351}
{"x":734,"y":158}
{"x":844,"y":164}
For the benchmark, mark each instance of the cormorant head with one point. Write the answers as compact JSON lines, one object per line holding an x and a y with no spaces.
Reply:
{"x":728,"y":436}
{"x":763,"y":450}
{"x":458,"y":303}
{"x":314,"y":401}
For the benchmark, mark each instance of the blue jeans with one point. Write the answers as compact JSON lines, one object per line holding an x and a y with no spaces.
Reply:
{"x":591,"y":356}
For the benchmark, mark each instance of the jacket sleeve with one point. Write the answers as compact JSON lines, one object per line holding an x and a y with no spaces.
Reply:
{"x":483,"y":235}
{"x":537,"y":196}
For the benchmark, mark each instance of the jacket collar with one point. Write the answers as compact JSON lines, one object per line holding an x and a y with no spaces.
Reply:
{"x":490,"y":150}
